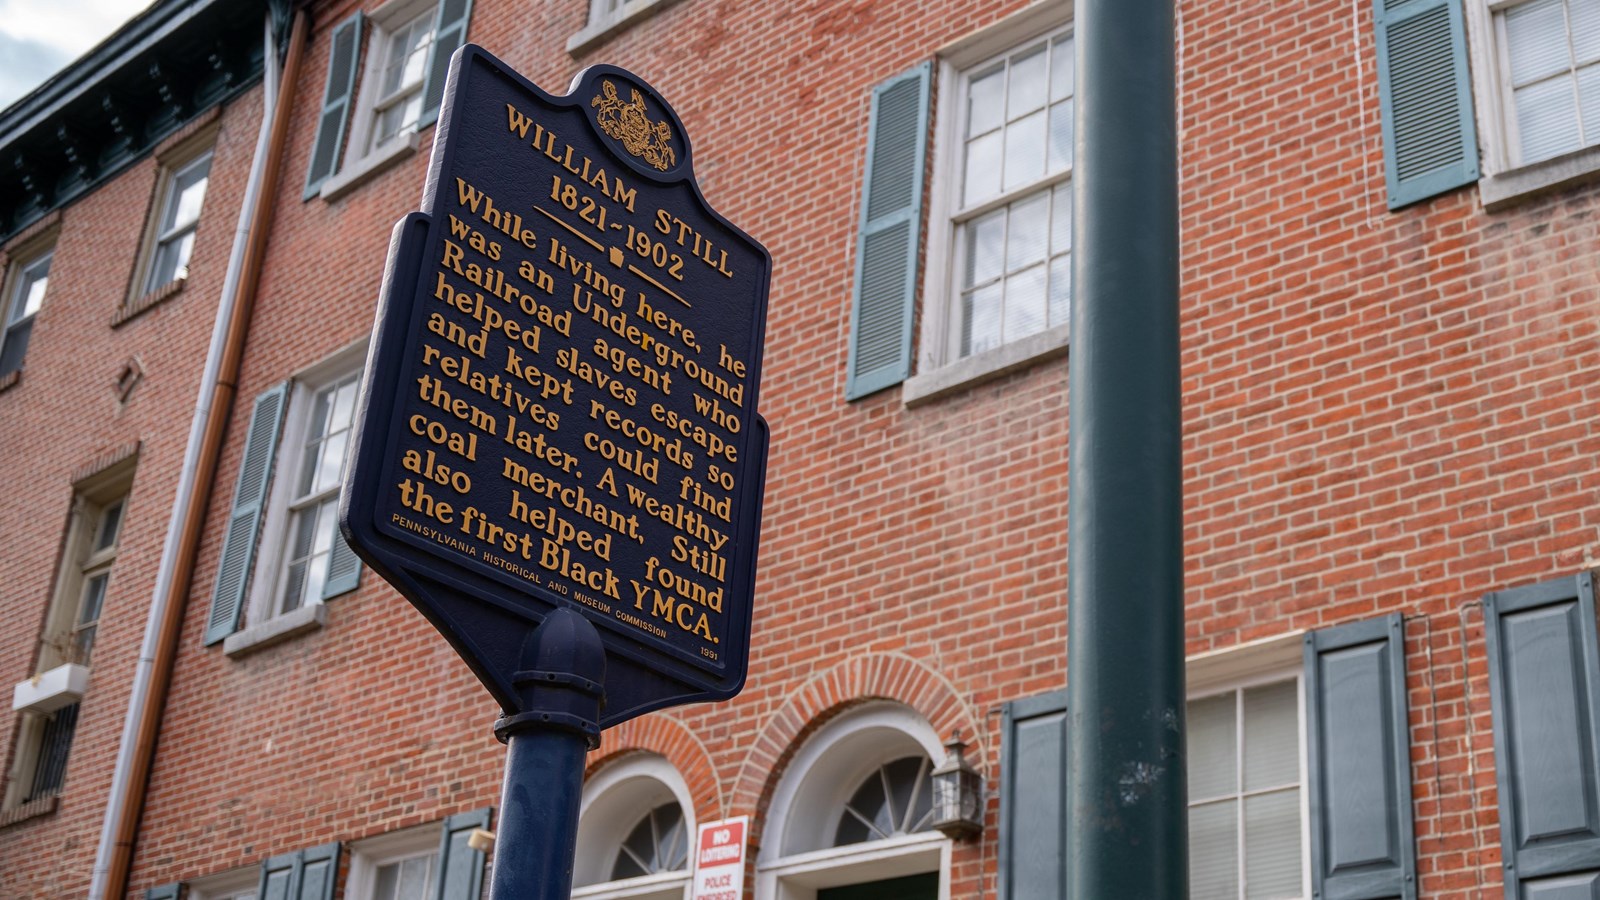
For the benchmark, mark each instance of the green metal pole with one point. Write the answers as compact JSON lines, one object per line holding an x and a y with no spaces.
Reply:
{"x":1126,"y":791}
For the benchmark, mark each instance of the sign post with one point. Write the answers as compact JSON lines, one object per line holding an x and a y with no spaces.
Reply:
{"x":558,"y":459}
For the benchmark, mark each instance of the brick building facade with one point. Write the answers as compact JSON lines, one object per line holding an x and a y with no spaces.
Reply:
{"x":1390,"y":317}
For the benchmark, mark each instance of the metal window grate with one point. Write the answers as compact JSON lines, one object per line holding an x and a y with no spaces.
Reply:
{"x":55,"y":742}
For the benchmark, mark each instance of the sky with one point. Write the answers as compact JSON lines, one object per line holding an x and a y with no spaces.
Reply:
{"x":40,"y":37}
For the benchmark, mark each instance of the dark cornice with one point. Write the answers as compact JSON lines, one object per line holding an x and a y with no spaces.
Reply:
{"x":109,"y":108}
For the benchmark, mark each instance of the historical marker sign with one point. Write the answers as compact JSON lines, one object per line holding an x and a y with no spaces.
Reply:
{"x":559,"y":407}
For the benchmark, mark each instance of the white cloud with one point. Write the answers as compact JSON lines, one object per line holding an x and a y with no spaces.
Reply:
{"x":39,"y":37}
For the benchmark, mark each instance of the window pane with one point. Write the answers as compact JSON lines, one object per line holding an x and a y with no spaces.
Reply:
{"x":29,"y":292}
{"x":110,"y":521}
{"x":1589,"y":102}
{"x":1060,"y":290}
{"x":171,"y":261}
{"x":983,"y":168}
{"x":980,"y":320}
{"x":1584,"y":17}
{"x":1213,"y":851}
{"x":1028,"y":88}
{"x":1271,"y":736}
{"x":1061,"y":219}
{"x":1028,"y":233}
{"x":1027,"y":303}
{"x":94,"y":596}
{"x":1536,"y":40}
{"x":1060,"y":136}
{"x":1272,"y":845}
{"x":1546,"y":119}
{"x":1061,"y":71}
{"x":1212,"y":747}
{"x":984,"y":102}
{"x":1025,"y":150}
{"x":186,"y":195}
{"x":986,"y":240}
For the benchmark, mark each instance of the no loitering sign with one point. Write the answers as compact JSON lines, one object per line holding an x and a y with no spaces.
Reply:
{"x":719,"y":859}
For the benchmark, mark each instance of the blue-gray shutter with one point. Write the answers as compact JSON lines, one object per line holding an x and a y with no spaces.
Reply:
{"x":344,"y":569}
{"x":460,"y":866}
{"x":1033,"y":790}
{"x":449,"y":32}
{"x":1358,"y":751}
{"x":1543,"y":679}
{"x":1430,"y":143}
{"x":307,"y":874}
{"x":244,"y":521}
{"x":338,"y":95}
{"x":280,"y":878}
{"x":882,"y":309}
{"x":165,"y":892}
{"x":319,"y":869}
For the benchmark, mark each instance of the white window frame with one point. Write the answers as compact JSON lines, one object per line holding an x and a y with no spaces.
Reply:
{"x":362,"y":159}
{"x":1271,"y":661}
{"x":163,"y":235}
{"x":939,"y":370}
{"x":1503,"y":182}
{"x":614,"y":801}
{"x":18,"y":284}
{"x":271,"y":557}
{"x":234,"y":884}
{"x":804,"y":812}
{"x":370,"y":854}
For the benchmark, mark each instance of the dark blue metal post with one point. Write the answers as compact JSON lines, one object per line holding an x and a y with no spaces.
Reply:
{"x":559,"y":686}
{"x":1126,"y":781}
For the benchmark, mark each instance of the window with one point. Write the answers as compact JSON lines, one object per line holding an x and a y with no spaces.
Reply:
{"x":1535,"y":78}
{"x":286,"y":506}
{"x":49,"y":700}
{"x":399,"y":63}
{"x":996,"y":287}
{"x":235,"y":884}
{"x":609,"y":16}
{"x":853,"y":810}
{"x":1292,"y":793}
{"x":401,"y":83}
{"x":314,"y":467}
{"x":182,"y":195}
{"x":432,"y":862}
{"x":634,"y":833}
{"x":24,"y":295}
{"x":1012,"y":212}
{"x":1245,"y":798}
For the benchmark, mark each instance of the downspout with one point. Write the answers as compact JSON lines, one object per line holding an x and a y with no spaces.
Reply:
{"x":152,"y":677}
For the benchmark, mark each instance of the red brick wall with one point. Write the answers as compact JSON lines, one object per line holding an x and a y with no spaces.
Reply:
{"x":60,"y":422}
{"x":1385,"y":412}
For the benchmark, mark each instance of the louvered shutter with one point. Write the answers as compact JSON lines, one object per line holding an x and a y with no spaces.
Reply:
{"x":1033,"y":789}
{"x":344,"y":56}
{"x":280,"y":878}
{"x":1430,"y":144}
{"x":165,"y":892}
{"x":460,"y":866}
{"x":1358,"y":754}
{"x":1543,"y":681}
{"x":449,"y":32}
{"x":344,"y":569}
{"x":890,"y":235}
{"x":319,"y":869}
{"x":244,"y":522}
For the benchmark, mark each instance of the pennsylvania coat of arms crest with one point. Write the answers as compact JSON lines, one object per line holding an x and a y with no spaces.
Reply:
{"x":629,"y":123}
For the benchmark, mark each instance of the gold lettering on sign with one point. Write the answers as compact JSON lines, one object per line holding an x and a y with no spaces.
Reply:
{"x":628,"y":123}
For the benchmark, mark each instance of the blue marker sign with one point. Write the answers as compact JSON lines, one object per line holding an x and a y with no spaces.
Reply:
{"x":559,"y":408}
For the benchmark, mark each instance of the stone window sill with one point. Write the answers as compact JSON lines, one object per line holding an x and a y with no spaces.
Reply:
{"x":43,"y":806}
{"x":954,"y":377}
{"x":276,"y":630}
{"x":1503,"y":189}
{"x":596,"y":33}
{"x":149,"y":301}
{"x":366,"y":168}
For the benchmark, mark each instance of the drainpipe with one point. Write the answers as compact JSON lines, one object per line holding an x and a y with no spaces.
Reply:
{"x":152,"y":677}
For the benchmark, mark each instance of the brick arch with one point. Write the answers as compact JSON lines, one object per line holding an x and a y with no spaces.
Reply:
{"x":664,"y":735}
{"x":878,"y":676}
